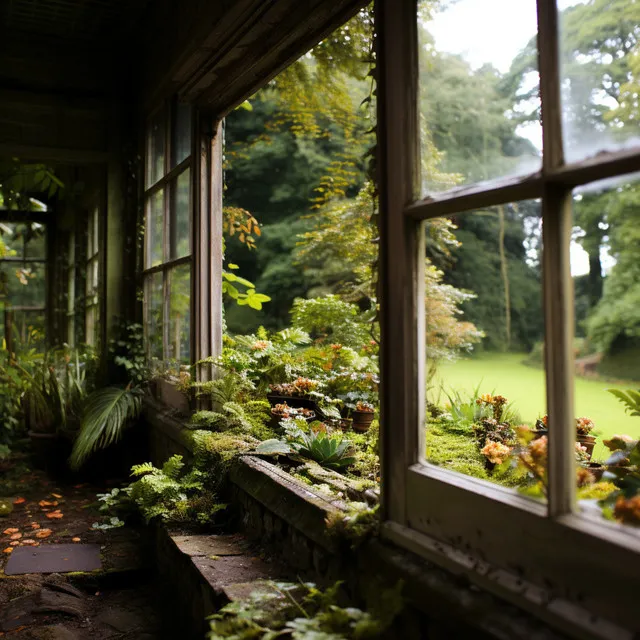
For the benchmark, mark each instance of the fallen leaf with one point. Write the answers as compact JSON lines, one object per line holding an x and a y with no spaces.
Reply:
{"x":55,"y":514}
{"x":11,"y":530}
{"x":19,"y":501}
{"x":35,"y":525}
{"x":45,"y":503}
{"x":43,"y":533}
{"x":15,"y":536}
{"x":15,"y":543}
{"x":29,"y":542}
{"x":75,"y":539}
{"x":56,"y":495}
{"x":7,"y":550}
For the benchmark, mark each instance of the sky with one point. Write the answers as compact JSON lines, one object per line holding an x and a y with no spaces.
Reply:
{"x":495,"y":31}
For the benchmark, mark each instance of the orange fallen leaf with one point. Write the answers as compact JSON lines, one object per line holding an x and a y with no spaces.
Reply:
{"x":11,"y":530}
{"x":75,"y":539}
{"x":7,"y":550}
{"x":30,"y":542}
{"x":14,"y":543}
{"x":15,"y":536}
{"x":43,"y":533}
{"x":56,"y":495}
{"x":45,"y":503}
{"x":19,"y":501}
{"x":55,"y":514}
{"x":35,"y":525}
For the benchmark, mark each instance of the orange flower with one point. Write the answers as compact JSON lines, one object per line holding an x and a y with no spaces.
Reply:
{"x":495,"y":452}
{"x":260,"y":345}
{"x":627,"y":510}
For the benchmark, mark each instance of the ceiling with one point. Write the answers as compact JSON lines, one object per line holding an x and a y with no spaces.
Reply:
{"x":91,"y":23}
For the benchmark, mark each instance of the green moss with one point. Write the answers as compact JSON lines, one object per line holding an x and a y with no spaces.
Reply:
{"x":597,"y":491}
{"x":454,"y":448}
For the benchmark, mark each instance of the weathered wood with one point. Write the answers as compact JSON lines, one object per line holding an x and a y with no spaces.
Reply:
{"x":477,"y":196}
{"x":401,"y":266}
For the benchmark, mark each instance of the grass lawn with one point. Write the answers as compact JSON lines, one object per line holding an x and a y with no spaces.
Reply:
{"x":524,"y":387}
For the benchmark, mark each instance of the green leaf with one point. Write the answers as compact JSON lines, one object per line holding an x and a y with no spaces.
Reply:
{"x":273,"y":447}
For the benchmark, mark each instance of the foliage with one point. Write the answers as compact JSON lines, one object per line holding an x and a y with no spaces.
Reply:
{"x":167,"y":493}
{"x":301,"y":611}
{"x":360,"y":523}
{"x":128,"y":353}
{"x":630,"y":399}
{"x":107,"y":412}
{"x":314,"y":441}
{"x":20,"y":181}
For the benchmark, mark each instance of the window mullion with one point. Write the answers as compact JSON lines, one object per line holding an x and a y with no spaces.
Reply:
{"x":401,"y":313}
{"x":557,"y":283}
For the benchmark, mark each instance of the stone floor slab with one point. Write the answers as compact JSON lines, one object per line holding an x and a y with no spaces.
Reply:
{"x":54,"y":558}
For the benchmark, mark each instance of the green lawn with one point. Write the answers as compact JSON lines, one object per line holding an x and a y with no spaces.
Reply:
{"x":524,"y":386}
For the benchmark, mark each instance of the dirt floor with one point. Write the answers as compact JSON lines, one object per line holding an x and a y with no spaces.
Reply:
{"x":116,"y":601}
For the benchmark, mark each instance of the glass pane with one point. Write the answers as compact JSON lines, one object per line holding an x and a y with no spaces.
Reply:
{"x":182,"y":134}
{"x":21,"y":328}
{"x":35,"y":237}
{"x":155,"y":229}
{"x":600,"y":74}
{"x":156,"y":135}
{"x":23,"y":284}
{"x":181,"y":233}
{"x":180,"y":314}
{"x":154,"y":305}
{"x":484,"y":334}
{"x":20,"y":240}
{"x":478,"y":92}
{"x":606,"y":275}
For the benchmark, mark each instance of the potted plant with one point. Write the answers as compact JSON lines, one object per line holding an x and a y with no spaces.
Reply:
{"x":282,"y":411}
{"x":362,"y":416}
{"x":584,"y":427}
{"x":295,"y":394}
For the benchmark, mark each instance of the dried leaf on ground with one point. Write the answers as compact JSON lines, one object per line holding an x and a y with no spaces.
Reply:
{"x":15,"y":536}
{"x":35,"y":525}
{"x":7,"y":550}
{"x":30,"y":543}
{"x":10,"y":530}
{"x":55,"y":514}
{"x":46,"y":503}
{"x":19,"y":501}
{"x":43,"y":533}
{"x":56,"y":495}
{"x":75,"y":539}
{"x":14,"y":543}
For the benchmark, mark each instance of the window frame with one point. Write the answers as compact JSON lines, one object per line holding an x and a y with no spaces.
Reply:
{"x":499,"y":540}
{"x":167,"y":183}
{"x":91,"y":284}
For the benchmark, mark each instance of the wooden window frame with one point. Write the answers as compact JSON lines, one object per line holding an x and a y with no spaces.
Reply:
{"x":26,"y":217}
{"x":543,"y":557}
{"x":167,"y":183}
{"x":92,"y":293}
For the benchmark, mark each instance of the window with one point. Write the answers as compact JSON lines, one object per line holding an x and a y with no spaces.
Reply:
{"x":71,"y":290}
{"x":23,"y":283}
{"x":92,"y":292}
{"x":168,"y":255}
{"x":528,"y":551}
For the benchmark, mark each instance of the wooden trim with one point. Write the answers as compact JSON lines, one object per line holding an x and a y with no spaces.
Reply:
{"x":477,"y":196}
{"x":559,"y":323}
{"x":598,"y":167}
{"x":216,"y":257}
{"x":398,"y":154}
{"x":165,"y":266}
{"x":554,"y":609}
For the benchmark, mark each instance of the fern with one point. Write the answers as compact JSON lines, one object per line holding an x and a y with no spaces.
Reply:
{"x":630,"y":399}
{"x":172,"y":467}
{"x":142,"y":469}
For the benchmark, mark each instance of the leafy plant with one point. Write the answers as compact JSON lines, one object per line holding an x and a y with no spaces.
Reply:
{"x":301,"y":612}
{"x":630,"y":399}
{"x":107,"y":413}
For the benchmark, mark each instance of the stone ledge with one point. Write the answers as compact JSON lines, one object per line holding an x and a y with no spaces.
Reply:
{"x":297,"y":504}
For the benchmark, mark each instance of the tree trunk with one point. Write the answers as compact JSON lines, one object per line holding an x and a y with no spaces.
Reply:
{"x":505,"y":279}
{"x":595,"y":277}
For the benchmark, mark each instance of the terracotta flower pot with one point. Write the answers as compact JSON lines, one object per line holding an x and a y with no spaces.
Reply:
{"x":596,"y":470}
{"x":362,"y":420}
{"x":588,"y":442}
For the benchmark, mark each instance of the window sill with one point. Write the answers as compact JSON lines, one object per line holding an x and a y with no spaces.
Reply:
{"x":166,"y":392}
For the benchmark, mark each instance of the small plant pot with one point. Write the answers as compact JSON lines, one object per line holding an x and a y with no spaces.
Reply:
{"x":588,"y":442}
{"x":596,"y":470}
{"x":276,"y":417}
{"x":362,"y":420}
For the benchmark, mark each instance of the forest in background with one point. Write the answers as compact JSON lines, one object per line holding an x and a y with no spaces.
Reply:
{"x":299,"y":159}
